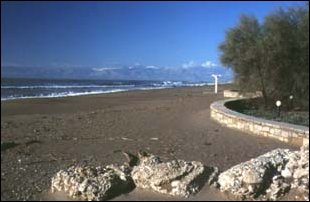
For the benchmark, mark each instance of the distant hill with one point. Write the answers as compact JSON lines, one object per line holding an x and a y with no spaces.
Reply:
{"x":135,"y":72}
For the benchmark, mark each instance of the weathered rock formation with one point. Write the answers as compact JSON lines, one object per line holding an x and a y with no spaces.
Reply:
{"x":269,"y":176}
{"x":296,"y":171}
{"x":92,"y":183}
{"x":251,"y":178}
{"x":177,"y":177}
{"x":147,"y":171}
{"x":277,"y":188}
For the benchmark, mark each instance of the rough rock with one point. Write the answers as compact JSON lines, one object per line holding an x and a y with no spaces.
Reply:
{"x":270,"y":176}
{"x":277,"y":188}
{"x":296,"y":171}
{"x":252,"y":178}
{"x":92,"y":183}
{"x":177,"y":177}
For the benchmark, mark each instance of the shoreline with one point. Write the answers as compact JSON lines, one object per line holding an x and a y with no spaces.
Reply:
{"x":54,"y":133}
{"x":97,"y":92}
{"x":79,"y":94}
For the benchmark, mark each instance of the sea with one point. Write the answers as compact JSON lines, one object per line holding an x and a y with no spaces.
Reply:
{"x":19,"y":88}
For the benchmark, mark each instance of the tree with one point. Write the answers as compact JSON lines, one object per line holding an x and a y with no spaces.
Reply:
{"x":272,"y":57}
{"x":242,"y":52}
{"x":285,"y":54}
{"x":302,"y":86}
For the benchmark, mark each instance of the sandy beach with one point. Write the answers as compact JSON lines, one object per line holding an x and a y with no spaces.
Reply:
{"x":51,"y":134}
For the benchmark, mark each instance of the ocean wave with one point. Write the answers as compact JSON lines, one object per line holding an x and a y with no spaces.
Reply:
{"x":67,"y":86}
{"x":63,"y":94}
{"x":117,"y":88}
{"x":70,"y":93}
{"x":179,"y":84}
{"x":160,"y":84}
{"x":198,"y":84}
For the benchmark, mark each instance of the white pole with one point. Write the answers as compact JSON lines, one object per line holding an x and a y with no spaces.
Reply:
{"x":215,"y":85}
{"x":215,"y":90}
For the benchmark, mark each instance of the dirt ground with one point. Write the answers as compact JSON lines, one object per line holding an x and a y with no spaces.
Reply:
{"x":51,"y":134}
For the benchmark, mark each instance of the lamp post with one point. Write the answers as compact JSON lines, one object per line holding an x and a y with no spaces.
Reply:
{"x":291,"y":101}
{"x":215,"y":76}
{"x":278,"y":104}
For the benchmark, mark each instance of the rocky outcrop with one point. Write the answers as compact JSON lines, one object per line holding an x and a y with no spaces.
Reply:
{"x":296,"y":171}
{"x":177,"y":177}
{"x":269,"y":176}
{"x":92,"y":183}
{"x":146,"y":171}
{"x":277,"y":188}
{"x":252,"y":178}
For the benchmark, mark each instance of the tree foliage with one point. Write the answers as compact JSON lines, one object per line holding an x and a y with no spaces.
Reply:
{"x":272,"y":57}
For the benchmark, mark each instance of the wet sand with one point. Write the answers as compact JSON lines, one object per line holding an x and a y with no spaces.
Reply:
{"x":52,"y":134}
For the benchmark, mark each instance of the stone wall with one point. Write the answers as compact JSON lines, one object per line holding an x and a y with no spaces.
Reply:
{"x":231,"y":93}
{"x":238,"y":94}
{"x":286,"y":132}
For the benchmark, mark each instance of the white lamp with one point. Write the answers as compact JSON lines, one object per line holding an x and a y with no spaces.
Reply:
{"x":291,"y":101}
{"x":278,"y":104}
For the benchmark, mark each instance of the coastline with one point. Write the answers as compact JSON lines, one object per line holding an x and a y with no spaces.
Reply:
{"x":53,"y":133}
{"x":95,"y":88}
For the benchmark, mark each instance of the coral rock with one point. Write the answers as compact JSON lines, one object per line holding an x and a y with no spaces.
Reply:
{"x":251,"y":178}
{"x":177,"y":177}
{"x":92,"y":183}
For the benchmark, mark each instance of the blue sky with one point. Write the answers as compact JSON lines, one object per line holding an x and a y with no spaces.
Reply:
{"x":105,"y":34}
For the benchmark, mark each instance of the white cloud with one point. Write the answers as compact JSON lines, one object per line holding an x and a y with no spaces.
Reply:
{"x":151,"y":67}
{"x":66,"y":65}
{"x":104,"y":69}
{"x":136,"y":65}
{"x":189,"y":64}
{"x":208,"y":64}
